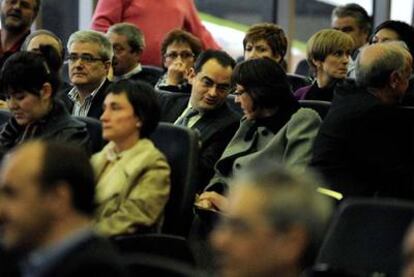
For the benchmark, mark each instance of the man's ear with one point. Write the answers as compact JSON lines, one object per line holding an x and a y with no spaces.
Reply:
{"x":137,"y":55}
{"x":191,"y":75}
{"x":60,"y":198}
{"x":294,"y":242}
{"x":394,"y":79}
{"x":46,"y":91}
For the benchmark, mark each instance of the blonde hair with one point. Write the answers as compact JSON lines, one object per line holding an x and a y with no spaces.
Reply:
{"x":326,"y":42}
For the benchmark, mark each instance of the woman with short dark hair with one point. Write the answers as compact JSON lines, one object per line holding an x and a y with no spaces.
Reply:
{"x":30,"y":84}
{"x":133,"y":176}
{"x":274,"y":126}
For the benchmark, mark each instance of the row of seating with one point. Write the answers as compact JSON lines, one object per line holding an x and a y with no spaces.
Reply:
{"x":364,"y":239}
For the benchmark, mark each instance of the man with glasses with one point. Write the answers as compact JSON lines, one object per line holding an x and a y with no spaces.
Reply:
{"x":205,"y":110}
{"x":89,"y":58}
{"x":16,"y":18}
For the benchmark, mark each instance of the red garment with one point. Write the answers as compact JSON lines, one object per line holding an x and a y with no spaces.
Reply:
{"x":155,"y":18}
{"x":5,"y":53}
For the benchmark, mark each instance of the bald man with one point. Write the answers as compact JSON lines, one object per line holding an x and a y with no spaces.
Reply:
{"x":365,"y":144}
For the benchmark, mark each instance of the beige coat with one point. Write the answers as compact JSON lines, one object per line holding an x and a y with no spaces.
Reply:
{"x":133,"y":192}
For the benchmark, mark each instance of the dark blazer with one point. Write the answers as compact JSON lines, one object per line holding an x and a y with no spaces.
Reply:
{"x":145,"y":76}
{"x":93,"y":257}
{"x":215,"y":128}
{"x":96,"y":107}
{"x":365,"y":148}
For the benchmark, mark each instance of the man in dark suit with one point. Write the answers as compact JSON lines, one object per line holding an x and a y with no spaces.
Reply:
{"x":365,"y":145}
{"x":128,"y":44}
{"x":45,"y":212}
{"x":205,"y":110}
{"x":90,"y":56}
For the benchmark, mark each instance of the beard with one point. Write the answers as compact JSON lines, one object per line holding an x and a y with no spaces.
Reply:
{"x":15,"y":27}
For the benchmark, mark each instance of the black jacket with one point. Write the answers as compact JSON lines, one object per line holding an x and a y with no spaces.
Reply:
{"x":365,"y":148}
{"x":57,"y":125}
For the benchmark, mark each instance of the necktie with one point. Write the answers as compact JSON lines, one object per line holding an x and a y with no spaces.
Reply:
{"x":183,"y":121}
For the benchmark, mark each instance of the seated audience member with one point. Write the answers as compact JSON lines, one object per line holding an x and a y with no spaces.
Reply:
{"x":45,"y":211}
{"x":128,"y":43}
{"x":397,"y":30}
{"x":16,"y":21}
{"x":45,"y":37}
{"x":328,"y":54}
{"x":353,"y":20}
{"x":179,"y":50}
{"x":205,"y":110}
{"x":30,"y":84}
{"x":365,"y":144}
{"x":90,"y":56}
{"x":273,"y":127}
{"x":133,"y":177}
{"x":265,"y":40}
{"x":272,"y":225}
{"x":394,"y":30}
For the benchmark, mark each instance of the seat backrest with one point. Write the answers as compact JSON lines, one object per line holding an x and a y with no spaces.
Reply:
{"x":297,"y":81}
{"x":321,"y":107}
{"x":150,"y":265}
{"x":365,"y":236}
{"x":153,"y":70}
{"x":180,"y":146}
{"x":94,"y":127}
{"x":162,"y":245}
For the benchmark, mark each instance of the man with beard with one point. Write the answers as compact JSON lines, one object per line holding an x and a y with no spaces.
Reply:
{"x":16,"y":18}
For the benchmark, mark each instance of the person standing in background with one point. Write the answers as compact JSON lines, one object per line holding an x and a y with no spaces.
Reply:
{"x":175,"y":14}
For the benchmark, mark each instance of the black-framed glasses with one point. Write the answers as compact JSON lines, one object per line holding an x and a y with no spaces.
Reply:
{"x":86,"y":58}
{"x":184,"y":55}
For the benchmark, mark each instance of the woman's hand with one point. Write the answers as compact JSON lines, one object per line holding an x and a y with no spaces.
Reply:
{"x":212,"y":200}
{"x":177,"y":72}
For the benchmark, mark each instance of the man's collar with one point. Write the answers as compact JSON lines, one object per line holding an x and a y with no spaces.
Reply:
{"x":74,"y":92}
{"x":128,"y":75}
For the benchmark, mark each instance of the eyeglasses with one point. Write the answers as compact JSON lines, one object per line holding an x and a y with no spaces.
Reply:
{"x":86,"y":58}
{"x":184,"y":55}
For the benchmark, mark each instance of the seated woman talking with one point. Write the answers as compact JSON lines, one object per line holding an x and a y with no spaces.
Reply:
{"x":133,"y":176}
{"x":273,"y":127}
{"x":328,"y":55}
{"x":30,"y":82}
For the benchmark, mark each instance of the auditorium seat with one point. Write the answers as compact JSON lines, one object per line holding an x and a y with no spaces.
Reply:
{"x":365,"y":237}
{"x":181,"y":148}
{"x":94,"y":127}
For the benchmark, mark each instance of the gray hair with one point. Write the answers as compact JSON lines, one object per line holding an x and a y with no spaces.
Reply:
{"x":291,"y":199}
{"x":374,"y":72}
{"x":88,"y":36}
{"x":355,"y":11}
{"x":134,"y":35}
